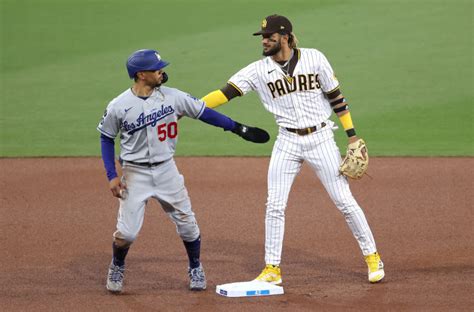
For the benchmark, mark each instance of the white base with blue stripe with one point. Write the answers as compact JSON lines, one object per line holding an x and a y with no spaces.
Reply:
{"x":249,"y":289}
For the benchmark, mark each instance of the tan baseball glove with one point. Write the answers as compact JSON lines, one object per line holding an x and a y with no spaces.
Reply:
{"x":356,"y":162}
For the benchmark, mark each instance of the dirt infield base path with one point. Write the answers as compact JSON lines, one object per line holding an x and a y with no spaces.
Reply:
{"x":57,"y":217}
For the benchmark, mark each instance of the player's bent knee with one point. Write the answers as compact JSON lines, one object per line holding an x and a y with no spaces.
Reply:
{"x":347,"y":207}
{"x":123,"y":240}
{"x":189,"y":232}
{"x":121,"y":243}
{"x":275,"y":210}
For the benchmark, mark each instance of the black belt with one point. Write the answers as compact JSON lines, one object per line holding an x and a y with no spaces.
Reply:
{"x":308,"y":130}
{"x":148,"y":165}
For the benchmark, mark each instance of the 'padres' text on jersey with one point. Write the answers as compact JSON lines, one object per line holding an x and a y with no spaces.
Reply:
{"x":298,"y":101}
{"x":288,"y":85}
{"x":148,"y":128}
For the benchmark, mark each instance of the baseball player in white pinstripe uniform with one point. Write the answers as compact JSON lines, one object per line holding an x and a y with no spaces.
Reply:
{"x":299,"y":88}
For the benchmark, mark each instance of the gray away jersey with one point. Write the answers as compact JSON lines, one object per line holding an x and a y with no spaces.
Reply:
{"x":298,"y":101}
{"x":148,"y":128}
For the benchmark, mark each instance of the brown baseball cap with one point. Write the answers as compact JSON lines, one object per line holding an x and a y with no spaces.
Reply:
{"x":275,"y":24}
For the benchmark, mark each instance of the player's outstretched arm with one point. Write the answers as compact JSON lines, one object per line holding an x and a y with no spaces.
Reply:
{"x":252,"y":134}
{"x":214,"y":99}
{"x":218,"y":97}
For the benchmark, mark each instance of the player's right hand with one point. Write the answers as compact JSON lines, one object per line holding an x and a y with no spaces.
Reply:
{"x":117,"y":187}
{"x":251,"y":134}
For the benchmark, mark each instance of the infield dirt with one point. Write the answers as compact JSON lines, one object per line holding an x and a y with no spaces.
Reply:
{"x":57,"y":217}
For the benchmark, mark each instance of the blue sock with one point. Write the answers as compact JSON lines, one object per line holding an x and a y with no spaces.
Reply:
{"x":119,"y":254}
{"x":194,"y":251}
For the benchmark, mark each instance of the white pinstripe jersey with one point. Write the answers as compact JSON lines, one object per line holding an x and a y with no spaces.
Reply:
{"x":148,"y":128}
{"x":298,"y":101}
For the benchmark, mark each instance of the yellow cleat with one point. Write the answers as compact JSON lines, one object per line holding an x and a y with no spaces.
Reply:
{"x":271,"y":274}
{"x":376,"y":272}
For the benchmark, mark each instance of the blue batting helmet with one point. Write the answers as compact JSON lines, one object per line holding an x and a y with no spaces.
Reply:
{"x":143,"y":60}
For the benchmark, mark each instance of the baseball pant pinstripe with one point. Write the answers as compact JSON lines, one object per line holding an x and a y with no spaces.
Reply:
{"x":320,"y":150}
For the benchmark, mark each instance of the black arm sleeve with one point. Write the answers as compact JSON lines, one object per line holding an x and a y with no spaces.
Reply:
{"x":230,"y":92}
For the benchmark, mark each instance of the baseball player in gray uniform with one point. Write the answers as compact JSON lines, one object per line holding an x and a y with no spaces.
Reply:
{"x":146,"y":118}
{"x":299,"y":88}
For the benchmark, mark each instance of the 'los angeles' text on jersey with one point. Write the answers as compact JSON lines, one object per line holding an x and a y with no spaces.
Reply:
{"x":146,"y":120}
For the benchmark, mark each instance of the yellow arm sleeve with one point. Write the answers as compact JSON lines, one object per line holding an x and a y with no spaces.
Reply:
{"x":346,"y":121}
{"x":214,"y":99}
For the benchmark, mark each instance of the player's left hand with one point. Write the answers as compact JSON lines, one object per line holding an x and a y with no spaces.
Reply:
{"x":356,"y":162}
{"x":251,"y":134}
{"x":117,"y":187}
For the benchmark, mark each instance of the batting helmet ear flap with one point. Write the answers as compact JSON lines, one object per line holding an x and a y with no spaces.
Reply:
{"x":165,"y":78}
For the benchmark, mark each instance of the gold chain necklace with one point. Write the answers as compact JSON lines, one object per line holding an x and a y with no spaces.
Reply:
{"x":286,"y":68}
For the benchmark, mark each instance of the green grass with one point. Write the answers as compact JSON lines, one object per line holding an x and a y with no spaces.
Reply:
{"x":405,"y":67}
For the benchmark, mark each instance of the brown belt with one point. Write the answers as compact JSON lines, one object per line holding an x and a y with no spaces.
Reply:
{"x":308,"y":130}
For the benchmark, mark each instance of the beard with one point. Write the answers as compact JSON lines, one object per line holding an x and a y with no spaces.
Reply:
{"x":154,"y":85}
{"x":163,"y":80}
{"x":273,"y":50}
